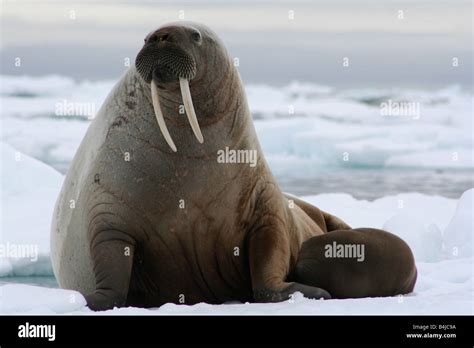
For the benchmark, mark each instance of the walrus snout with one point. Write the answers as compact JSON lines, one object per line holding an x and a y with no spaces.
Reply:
{"x":167,"y":55}
{"x":163,"y":60}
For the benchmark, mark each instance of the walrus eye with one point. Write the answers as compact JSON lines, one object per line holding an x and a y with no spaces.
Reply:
{"x":196,"y":36}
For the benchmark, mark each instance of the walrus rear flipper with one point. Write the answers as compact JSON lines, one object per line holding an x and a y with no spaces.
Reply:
{"x":112,"y":260}
{"x":325,"y":220}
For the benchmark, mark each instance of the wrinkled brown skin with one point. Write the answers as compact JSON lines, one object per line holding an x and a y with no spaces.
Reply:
{"x":128,"y":242}
{"x":388,"y":268}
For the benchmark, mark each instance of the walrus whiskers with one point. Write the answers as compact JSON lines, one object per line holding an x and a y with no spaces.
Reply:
{"x":188,"y":106}
{"x":159,"y":116}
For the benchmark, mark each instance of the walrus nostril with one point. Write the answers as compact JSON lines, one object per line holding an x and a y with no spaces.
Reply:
{"x":155,"y":37}
{"x":165,"y":37}
{"x":152,"y":38}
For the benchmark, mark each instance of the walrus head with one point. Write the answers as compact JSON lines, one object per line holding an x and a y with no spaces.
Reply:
{"x":174,"y":54}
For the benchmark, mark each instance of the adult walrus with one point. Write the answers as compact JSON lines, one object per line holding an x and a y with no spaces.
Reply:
{"x":142,"y":220}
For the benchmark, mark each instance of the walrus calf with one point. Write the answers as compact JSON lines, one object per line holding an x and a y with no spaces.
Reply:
{"x":361,"y":262}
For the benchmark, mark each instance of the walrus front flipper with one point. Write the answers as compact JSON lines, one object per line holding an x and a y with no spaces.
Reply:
{"x":323,"y":219}
{"x":268,"y":256}
{"x":112,"y":256}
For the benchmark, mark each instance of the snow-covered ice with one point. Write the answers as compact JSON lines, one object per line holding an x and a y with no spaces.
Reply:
{"x":29,"y":189}
{"x":25,"y":299}
{"x":439,"y":230}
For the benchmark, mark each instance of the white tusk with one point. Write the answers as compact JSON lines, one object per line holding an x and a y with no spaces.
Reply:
{"x":188,"y":106}
{"x":159,"y":116}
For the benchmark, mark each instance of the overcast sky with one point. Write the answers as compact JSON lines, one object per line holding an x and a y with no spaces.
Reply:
{"x":388,"y":42}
